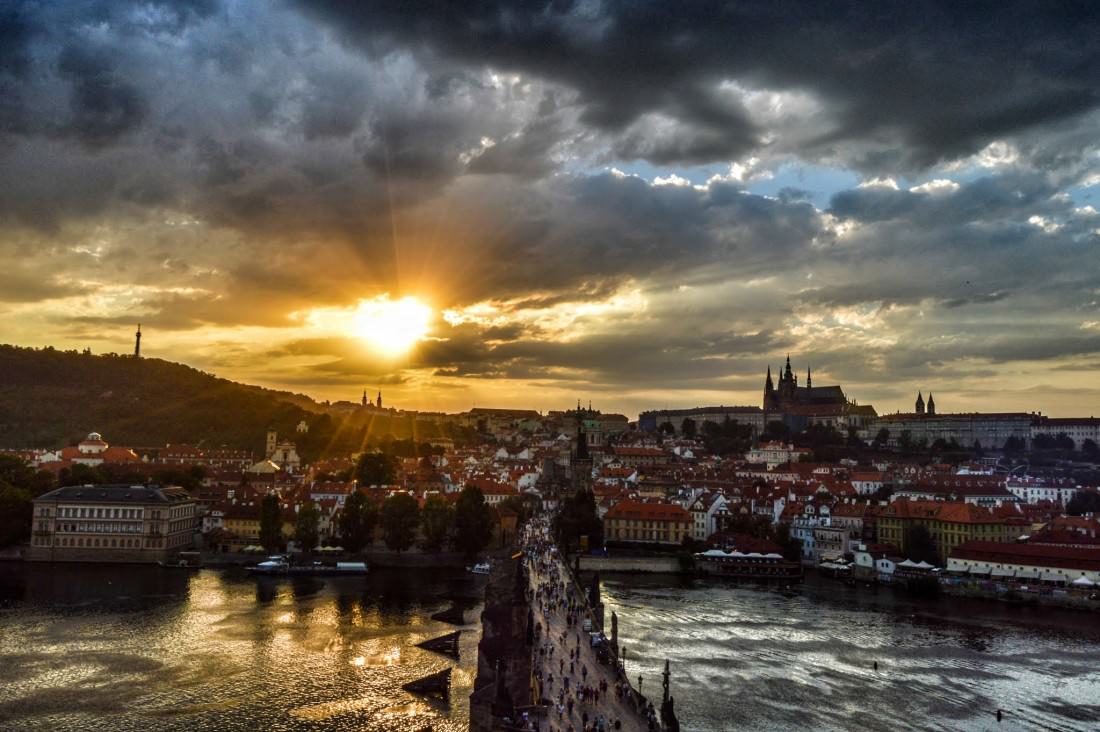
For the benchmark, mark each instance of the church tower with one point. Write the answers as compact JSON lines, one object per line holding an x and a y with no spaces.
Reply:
{"x":809,"y":380}
{"x":788,"y":383}
{"x":379,"y":398}
{"x":920,"y":403}
{"x":137,"y":342}
{"x":364,"y":397}
{"x":769,"y":391}
{"x":581,"y":463}
{"x":931,"y":404}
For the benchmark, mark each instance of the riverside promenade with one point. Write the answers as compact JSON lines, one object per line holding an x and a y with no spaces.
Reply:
{"x":580,"y":683}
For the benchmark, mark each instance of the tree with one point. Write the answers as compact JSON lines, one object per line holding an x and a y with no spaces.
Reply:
{"x":525,"y":505}
{"x":271,"y":522}
{"x":1062,"y":441}
{"x":978,"y":451}
{"x":577,"y":518}
{"x":777,"y":430}
{"x":688,"y":428}
{"x":306,"y":526}
{"x":919,"y":545}
{"x":436,"y":519}
{"x":905,"y":440}
{"x":792,"y":547}
{"x":1090,"y":449}
{"x":1083,"y":502}
{"x":473,"y":521}
{"x":356,"y":522}
{"x":399,"y":518}
{"x":1042,"y":441}
{"x":666,"y":428}
{"x":16,"y":508}
{"x":1013,"y":445}
{"x":18,"y":474}
{"x":375,"y":468}
{"x":882,"y":439}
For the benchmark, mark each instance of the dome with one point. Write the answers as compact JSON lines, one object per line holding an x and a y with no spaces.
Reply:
{"x":95,"y":436}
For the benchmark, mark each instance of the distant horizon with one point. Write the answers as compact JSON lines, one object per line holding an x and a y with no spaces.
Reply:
{"x":394,"y":395}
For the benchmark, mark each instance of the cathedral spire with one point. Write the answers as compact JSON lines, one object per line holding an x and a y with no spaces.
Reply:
{"x":931,"y":404}
{"x":137,"y":342}
{"x":920,"y":403}
{"x":364,"y":397}
{"x":809,"y":382}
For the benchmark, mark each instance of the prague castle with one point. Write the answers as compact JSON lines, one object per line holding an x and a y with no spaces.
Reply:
{"x":789,"y":395}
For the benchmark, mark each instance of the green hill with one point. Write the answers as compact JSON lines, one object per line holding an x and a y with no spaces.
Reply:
{"x":51,"y":398}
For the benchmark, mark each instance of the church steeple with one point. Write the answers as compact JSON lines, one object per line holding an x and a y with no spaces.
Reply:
{"x":931,"y":404}
{"x":809,"y":381}
{"x":379,"y":398}
{"x":769,"y":390}
{"x":582,"y":441}
{"x":364,"y":397}
{"x":137,"y":342}
{"x":920,"y":403}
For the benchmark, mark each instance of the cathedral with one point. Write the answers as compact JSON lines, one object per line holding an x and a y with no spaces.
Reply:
{"x":789,"y":397}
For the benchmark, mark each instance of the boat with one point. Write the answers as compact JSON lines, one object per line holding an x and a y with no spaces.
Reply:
{"x":480,"y":568}
{"x":279,"y":565}
{"x":184,"y":560}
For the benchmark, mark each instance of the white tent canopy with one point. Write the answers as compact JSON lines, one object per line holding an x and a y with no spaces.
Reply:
{"x":1083,"y":581}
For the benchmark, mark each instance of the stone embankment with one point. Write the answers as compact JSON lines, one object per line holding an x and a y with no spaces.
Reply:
{"x":656,"y":565}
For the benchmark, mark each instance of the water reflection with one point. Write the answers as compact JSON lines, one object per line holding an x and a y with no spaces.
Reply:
{"x":751,"y":659}
{"x":149,"y":649}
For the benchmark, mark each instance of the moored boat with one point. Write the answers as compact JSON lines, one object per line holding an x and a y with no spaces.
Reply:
{"x":279,"y":565}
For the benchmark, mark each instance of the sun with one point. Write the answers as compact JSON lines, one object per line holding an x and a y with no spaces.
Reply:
{"x":392,"y":327}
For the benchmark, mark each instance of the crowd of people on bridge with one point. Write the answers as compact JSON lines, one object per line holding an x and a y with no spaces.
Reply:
{"x":582,"y":694}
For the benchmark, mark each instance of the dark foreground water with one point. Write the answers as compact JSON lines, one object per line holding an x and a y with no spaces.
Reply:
{"x":751,"y":659}
{"x":131,"y":648}
{"x":141,"y":648}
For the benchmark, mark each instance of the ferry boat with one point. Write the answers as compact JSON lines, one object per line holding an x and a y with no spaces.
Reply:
{"x":480,"y":568}
{"x":279,"y":565}
{"x":748,"y":565}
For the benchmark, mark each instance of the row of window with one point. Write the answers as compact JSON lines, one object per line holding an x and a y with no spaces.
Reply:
{"x":632,"y":534}
{"x":102,"y":528}
{"x":81,"y":542}
{"x":99,"y":512}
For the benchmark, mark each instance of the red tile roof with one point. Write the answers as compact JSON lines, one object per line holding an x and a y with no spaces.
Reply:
{"x":638,"y":510}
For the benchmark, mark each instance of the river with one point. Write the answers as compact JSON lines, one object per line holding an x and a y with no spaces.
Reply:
{"x":143,"y":648}
{"x":747,"y":658}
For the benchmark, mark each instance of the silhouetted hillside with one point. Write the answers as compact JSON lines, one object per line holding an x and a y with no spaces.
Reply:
{"x":51,"y":398}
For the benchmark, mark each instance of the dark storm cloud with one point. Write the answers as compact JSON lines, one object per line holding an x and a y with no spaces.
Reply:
{"x":240,"y":163}
{"x":104,"y":106}
{"x":933,"y":81}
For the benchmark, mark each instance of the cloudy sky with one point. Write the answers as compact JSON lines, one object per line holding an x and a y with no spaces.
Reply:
{"x":523,"y":204}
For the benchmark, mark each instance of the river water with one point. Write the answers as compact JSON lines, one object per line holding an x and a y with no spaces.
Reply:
{"x":141,"y":648}
{"x":751,"y":659}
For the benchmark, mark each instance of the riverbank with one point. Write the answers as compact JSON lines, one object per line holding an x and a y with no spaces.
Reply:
{"x":948,"y":585}
{"x":450,"y":560}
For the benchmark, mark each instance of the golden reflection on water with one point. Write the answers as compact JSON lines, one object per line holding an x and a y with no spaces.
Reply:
{"x":161,"y":651}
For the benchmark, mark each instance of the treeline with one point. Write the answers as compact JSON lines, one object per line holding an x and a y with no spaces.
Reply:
{"x":466,"y":526}
{"x":51,"y":398}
